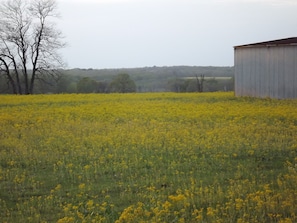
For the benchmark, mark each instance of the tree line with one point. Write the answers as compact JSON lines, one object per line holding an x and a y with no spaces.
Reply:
{"x":85,"y":82}
{"x":122,"y":83}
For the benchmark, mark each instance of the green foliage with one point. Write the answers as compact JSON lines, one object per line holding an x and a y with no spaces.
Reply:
{"x":210,"y":84}
{"x":63,"y":85}
{"x":147,"y":79}
{"x":156,"y":79}
{"x":122,"y":83}
{"x":72,"y":88}
{"x":86,"y":85}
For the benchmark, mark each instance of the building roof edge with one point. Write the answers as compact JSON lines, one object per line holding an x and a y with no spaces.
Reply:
{"x":278,"y":42}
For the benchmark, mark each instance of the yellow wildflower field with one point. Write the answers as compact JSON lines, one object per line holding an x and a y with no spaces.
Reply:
{"x":152,"y":157}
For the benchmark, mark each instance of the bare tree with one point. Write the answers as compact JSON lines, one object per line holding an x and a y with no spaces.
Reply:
{"x":200,"y":82}
{"x":29,"y":43}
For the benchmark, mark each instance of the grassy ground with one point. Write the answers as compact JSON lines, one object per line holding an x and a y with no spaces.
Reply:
{"x":159,"y":157}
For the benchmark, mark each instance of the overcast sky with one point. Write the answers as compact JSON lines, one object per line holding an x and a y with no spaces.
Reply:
{"x":139,"y":33}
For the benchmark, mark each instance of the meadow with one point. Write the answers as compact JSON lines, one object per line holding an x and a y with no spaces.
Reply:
{"x":151,"y":157}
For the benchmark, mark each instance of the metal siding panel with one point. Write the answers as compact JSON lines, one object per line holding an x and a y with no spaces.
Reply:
{"x":265,"y":62}
{"x":273,"y":67}
{"x":274,"y":74}
{"x":244,"y":55}
{"x":278,"y":73}
{"x":290,"y":71}
{"x":287,"y":71}
{"x":263,"y":71}
{"x":247,"y":73}
{"x":241,"y":72}
{"x":295,"y":73}
{"x":281,"y":74}
{"x":266,"y":72}
{"x":251,"y":77}
{"x":241,"y":83}
{"x":253,"y":74}
{"x":237,"y":72}
{"x":254,"y":77}
{"x":261,"y":65}
{"x":277,"y":61}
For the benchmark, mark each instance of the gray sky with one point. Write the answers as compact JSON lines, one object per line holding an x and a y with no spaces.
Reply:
{"x":139,"y":33}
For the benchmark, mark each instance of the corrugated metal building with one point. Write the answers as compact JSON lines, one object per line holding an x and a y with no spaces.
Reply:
{"x":266,"y":69}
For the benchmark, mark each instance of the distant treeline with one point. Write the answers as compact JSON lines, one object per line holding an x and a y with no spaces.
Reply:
{"x":147,"y":79}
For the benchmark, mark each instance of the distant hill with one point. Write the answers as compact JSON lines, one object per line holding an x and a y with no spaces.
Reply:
{"x":152,"y":78}
{"x":147,"y":79}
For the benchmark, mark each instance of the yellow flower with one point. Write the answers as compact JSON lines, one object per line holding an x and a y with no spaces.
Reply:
{"x":66,"y":220}
{"x":238,"y":203}
{"x":286,"y":220}
{"x":177,"y":198}
{"x":90,"y":204}
{"x":167,"y":205}
{"x":82,"y":186}
{"x":210,"y":211}
{"x":86,"y":167}
{"x":58,"y":187}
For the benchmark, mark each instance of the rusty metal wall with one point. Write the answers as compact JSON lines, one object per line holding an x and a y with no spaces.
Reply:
{"x":267,"y":71}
